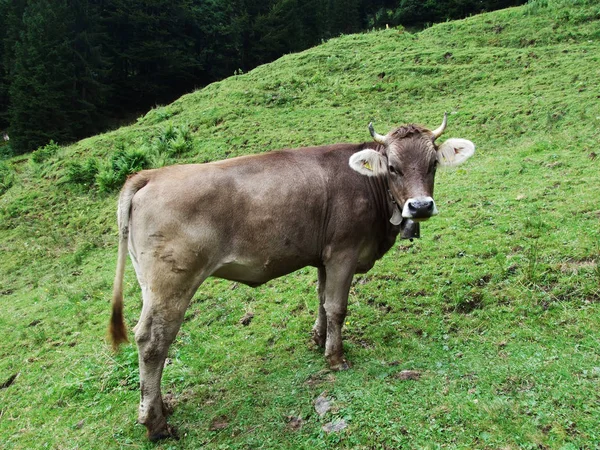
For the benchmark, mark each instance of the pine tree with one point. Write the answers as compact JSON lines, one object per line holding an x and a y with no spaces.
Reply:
{"x":244,"y":17}
{"x":11,"y":20}
{"x":4,"y":83}
{"x":344,"y":17}
{"x":42,"y":73}
{"x":217,"y":35}
{"x":56,"y":86}
{"x":89,"y":93}
{"x":65,"y":65}
{"x":151,"y":49}
{"x":277,"y":31}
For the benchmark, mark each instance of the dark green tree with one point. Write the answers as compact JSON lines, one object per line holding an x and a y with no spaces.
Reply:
{"x":42,"y":73}
{"x":344,"y":17}
{"x":89,"y":93}
{"x":217,"y":35}
{"x":419,"y":13}
{"x":152,"y":51}
{"x":11,"y":20}
{"x":277,"y":31}
{"x":269,"y":29}
{"x":55,"y":81}
{"x":244,"y":15}
{"x":4,"y":83}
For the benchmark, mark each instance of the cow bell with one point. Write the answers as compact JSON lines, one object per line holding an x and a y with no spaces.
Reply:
{"x":410,"y":229}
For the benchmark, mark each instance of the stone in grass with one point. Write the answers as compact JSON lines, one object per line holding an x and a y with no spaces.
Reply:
{"x":323,"y":404}
{"x":335,"y":426}
{"x":408,"y":375}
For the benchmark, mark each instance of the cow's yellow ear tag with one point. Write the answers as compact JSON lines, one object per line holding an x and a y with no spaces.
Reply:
{"x":367,"y":166}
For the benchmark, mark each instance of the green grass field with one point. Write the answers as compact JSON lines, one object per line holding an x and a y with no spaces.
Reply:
{"x":496,"y":310}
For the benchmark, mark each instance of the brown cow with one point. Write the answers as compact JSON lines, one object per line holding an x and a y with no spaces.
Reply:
{"x":254,"y":218}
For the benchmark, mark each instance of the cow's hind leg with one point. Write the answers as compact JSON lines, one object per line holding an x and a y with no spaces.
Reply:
{"x":320,"y":327}
{"x":162,"y":314}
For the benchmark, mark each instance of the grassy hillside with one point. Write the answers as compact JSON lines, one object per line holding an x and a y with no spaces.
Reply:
{"x":496,"y":309}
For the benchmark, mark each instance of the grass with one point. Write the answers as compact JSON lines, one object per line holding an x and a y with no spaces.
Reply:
{"x":496,"y":306}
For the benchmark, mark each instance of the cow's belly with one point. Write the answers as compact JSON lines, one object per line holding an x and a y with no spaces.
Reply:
{"x":255,"y":272}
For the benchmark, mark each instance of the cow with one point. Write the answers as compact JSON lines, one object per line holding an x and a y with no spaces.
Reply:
{"x":251,"y":219}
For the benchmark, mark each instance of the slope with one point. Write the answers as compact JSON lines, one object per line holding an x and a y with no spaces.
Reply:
{"x":495,"y":307}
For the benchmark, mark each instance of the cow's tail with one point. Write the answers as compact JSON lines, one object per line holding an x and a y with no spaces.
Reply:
{"x":116,"y":328}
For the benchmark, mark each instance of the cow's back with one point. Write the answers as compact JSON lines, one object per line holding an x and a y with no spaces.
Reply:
{"x":252,"y":218}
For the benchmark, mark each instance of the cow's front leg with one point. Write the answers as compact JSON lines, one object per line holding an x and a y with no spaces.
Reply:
{"x":320,"y":328}
{"x":339,"y":277}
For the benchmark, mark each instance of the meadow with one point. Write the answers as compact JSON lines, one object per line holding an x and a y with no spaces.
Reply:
{"x":484,"y":333}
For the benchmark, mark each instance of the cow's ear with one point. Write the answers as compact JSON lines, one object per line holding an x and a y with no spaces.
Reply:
{"x":369,"y":162}
{"x":453,"y":152}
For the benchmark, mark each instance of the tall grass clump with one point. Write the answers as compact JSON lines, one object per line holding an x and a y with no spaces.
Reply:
{"x":173,"y":141}
{"x":123,"y":163}
{"x":81,"y":172}
{"x":41,"y":161}
{"x":44,"y":153}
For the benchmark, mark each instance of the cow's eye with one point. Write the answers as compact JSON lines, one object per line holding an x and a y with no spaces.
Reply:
{"x":395,"y":171}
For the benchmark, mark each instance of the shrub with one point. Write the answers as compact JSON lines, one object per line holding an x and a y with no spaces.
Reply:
{"x":184,"y":131}
{"x":45,"y":152}
{"x":82,"y":173}
{"x":6,"y":151}
{"x":160,"y":146}
{"x":168,"y":132}
{"x":172,"y":141}
{"x":157,"y":155}
{"x":130,"y":161}
{"x":179,"y":145}
{"x":123,"y":163}
{"x":107,"y":179}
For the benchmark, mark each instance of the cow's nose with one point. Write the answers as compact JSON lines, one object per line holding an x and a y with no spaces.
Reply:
{"x":419,"y":208}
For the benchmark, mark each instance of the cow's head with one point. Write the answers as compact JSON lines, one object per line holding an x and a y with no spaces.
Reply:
{"x":408,"y":158}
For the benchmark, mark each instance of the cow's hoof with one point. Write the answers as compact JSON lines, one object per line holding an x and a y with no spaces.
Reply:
{"x":339,"y":364}
{"x":167,"y":432}
{"x":318,"y":338}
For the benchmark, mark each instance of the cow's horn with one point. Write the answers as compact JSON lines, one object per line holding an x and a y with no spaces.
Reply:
{"x":376,"y":136}
{"x":438,"y":131}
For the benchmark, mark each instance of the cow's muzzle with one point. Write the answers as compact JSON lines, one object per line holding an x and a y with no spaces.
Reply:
{"x":419,"y":208}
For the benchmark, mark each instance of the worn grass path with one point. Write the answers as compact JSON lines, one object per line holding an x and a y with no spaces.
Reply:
{"x":495,"y":310}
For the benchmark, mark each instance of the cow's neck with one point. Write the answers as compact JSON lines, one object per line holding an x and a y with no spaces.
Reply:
{"x":384,"y":204}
